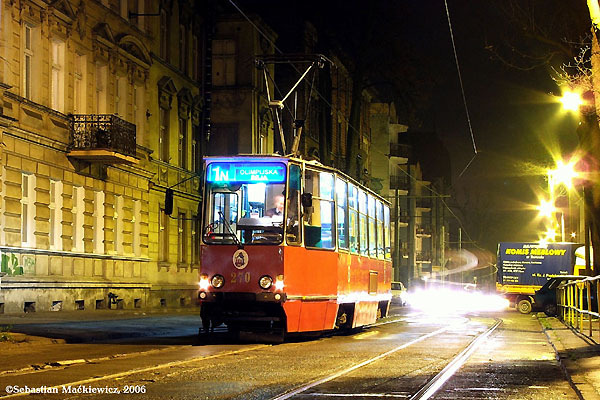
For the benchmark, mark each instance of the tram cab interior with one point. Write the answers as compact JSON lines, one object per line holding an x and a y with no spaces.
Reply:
{"x":250,"y":212}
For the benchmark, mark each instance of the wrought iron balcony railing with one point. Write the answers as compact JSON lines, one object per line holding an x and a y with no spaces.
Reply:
{"x":423,"y":203}
{"x":399,"y":182}
{"x":399,"y":150}
{"x":423,"y":231}
{"x":103,"y":137}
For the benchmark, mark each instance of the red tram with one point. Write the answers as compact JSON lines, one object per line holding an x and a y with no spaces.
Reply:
{"x":290,"y":245}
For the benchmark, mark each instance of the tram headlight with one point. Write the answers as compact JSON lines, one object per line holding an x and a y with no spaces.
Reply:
{"x":279,"y":282}
{"x":203,"y":282}
{"x":265,"y":282}
{"x":217,"y":281}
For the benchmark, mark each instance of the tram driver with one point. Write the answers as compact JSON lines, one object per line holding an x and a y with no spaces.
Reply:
{"x":277,"y":211}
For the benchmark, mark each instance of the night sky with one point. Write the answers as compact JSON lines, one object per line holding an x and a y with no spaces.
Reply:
{"x":515,"y":124}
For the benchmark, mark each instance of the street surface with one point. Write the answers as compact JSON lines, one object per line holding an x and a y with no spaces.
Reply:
{"x":393,"y":359}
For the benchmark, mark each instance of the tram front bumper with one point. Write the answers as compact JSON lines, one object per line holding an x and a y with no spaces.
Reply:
{"x":213,"y":297}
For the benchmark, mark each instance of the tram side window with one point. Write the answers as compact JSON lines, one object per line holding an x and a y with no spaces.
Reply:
{"x":362,"y":223}
{"x":341,"y":190}
{"x":353,"y":217}
{"x":386,"y":221}
{"x":372,"y":234}
{"x":293,"y":234}
{"x":318,"y":220}
{"x":379,"y":215}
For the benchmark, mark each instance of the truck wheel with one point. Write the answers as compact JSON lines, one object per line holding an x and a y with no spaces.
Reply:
{"x":550,"y":310}
{"x":524,"y":306}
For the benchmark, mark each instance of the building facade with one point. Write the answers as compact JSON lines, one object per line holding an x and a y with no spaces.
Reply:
{"x":99,"y":113}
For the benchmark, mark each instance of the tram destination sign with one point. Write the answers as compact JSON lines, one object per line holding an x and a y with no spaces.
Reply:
{"x":245,"y":172}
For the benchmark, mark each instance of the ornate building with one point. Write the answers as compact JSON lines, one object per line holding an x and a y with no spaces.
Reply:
{"x":100,"y":112}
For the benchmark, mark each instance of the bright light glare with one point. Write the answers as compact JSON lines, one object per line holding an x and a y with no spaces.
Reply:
{"x":546,"y":208}
{"x":564,"y":173}
{"x":203,"y":284}
{"x":443,"y":301}
{"x":571,"y":101}
{"x":550,"y":235}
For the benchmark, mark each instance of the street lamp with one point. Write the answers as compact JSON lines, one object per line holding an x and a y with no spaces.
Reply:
{"x":562,"y":175}
{"x":571,"y":101}
{"x":546,"y":208}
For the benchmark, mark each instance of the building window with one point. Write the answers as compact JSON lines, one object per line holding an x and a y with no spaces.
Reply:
{"x":195,"y":65}
{"x":79,"y":73}
{"x":28,"y":210}
{"x":78,"y":210}
{"x":183,"y":49}
{"x":163,"y":135}
{"x":101,"y":91}
{"x":58,"y":75}
{"x":164,"y":31}
{"x":121,"y":97}
{"x":196,"y":229}
{"x":99,"y":222}
{"x":124,"y":9}
{"x":140,"y":18}
{"x":2,"y":203}
{"x":118,"y":225}
{"x":183,"y":143}
{"x":137,"y":219}
{"x":223,"y":67}
{"x":181,"y":238}
{"x":139,"y":111}
{"x":56,"y":203}
{"x":163,"y":235}
{"x":194,"y":155}
{"x":28,"y":61}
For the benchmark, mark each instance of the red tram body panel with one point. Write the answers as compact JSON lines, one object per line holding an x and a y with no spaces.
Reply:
{"x":260,"y":274}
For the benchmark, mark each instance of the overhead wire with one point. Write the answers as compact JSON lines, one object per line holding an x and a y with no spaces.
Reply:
{"x":357,"y":131}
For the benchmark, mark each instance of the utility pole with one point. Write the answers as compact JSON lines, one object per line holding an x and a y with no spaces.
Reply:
{"x":397,"y":237}
{"x":460,"y":255}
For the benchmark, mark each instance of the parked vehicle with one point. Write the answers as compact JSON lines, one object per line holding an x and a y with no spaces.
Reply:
{"x":524,"y":268}
{"x":545,"y":297}
{"x":399,"y":293}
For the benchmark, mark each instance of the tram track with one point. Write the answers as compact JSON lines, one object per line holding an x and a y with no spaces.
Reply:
{"x":37,"y":370}
{"x":429,"y":388}
{"x":54,"y":365}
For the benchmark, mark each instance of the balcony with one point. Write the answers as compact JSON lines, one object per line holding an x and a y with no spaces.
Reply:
{"x":423,"y":205}
{"x":423,"y":231}
{"x":399,"y":182}
{"x":103,"y":138}
{"x":401,"y":151}
{"x":423,"y":257}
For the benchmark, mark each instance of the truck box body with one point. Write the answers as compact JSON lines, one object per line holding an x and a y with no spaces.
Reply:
{"x":530,"y":264}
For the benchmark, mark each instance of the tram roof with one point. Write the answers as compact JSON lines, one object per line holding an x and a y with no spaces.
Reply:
{"x":285,"y":159}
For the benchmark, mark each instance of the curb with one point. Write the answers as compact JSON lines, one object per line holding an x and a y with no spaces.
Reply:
{"x":558,"y":334}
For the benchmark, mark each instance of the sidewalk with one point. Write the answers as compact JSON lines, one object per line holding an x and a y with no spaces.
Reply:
{"x":96,"y":326}
{"x":579,"y":356}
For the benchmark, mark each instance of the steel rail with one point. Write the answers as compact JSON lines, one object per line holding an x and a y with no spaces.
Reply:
{"x":434,"y":384}
{"x":317,"y":382}
{"x":429,"y":389}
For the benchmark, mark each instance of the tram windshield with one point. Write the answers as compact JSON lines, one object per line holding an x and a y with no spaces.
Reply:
{"x":244,"y":212}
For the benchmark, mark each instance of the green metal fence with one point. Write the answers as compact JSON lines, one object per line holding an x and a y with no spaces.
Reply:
{"x":578,"y":305}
